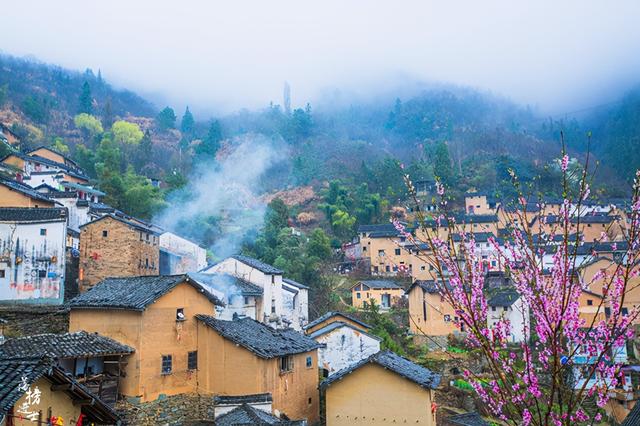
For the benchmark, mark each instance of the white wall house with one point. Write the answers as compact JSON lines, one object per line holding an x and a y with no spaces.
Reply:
{"x":180,"y":255}
{"x":240,"y":297}
{"x":344,"y":345}
{"x":32,"y":254}
{"x":281,"y":307}
{"x":507,"y":304}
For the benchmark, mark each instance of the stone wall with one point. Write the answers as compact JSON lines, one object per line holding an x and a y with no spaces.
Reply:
{"x":180,"y":409}
{"x":26,"y":320}
{"x":123,"y":251}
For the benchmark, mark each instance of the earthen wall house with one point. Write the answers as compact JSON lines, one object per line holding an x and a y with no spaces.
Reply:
{"x":114,"y":247}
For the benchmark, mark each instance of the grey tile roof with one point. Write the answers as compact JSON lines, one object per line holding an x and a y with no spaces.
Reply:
{"x":633,"y":418}
{"x":28,"y":214}
{"x":257,"y":264}
{"x":380,"y":284}
{"x":24,"y":189}
{"x":262,"y":340}
{"x":83,"y":188}
{"x":13,"y":370}
{"x":335,"y":314}
{"x":295,"y":283}
{"x":479,"y":237}
{"x":132,"y":223}
{"x":67,"y":345}
{"x":242,"y":399}
{"x":70,"y":170}
{"x":247,"y":415}
{"x":466,"y":419}
{"x":395,"y":363}
{"x":134,"y":293}
{"x":504,"y":298}
{"x":227,"y":284}
{"x":336,"y":325}
{"x":66,"y":157}
{"x":379,"y":227}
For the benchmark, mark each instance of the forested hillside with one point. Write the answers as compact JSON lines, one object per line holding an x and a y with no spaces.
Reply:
{"x":351,"y":155}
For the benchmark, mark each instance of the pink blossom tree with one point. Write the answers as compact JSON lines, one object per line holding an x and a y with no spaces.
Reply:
{"x":533,"y":382}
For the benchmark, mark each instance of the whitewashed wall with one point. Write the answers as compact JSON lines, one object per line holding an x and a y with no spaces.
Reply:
{"x":344,"y":347}
{"x":33,"y":264}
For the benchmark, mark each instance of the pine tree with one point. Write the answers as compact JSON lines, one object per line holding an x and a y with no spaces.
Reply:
{"x":186,"y":125}
{"x":166,"y":119}
{"x":107,"y":114}
{"x":211,"y":143}
{"x":86,"y":100}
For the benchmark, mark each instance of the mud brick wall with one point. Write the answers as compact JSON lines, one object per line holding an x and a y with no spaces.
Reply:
{"x":123,"y":251}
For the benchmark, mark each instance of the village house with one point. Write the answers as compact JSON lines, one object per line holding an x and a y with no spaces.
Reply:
{"x":281,"y":306}
{"x":36,"y":390}
{"x":383,"y":293}
{"x":155,"y":315}
{"x":78,"y":203}
{"x":331,"y":317}
{"x":484,"y":250}
{"x":35,"y":170}
{"x":244,"y":356}
{"x":342,"y":346}
{"x":241,"y":298}
{"x":429,"y":313}
{"x":179,"y":255}
{"x":8,"y":136}
{"x":591,"y":227}
{"x":476,"y":203}
{"x":32,"y":254}
{"x":384,"y":247}
{"x":464,"y":419}
{"x":112,"y":246}
{"x":248,"y":410}
{"x":507,"y":304}
{"x":96,"y":361}
{"x":17,"y":194}
{"x":384,"y":388}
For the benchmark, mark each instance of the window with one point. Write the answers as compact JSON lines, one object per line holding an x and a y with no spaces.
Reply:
{"x":589,"y":302}
{"x":2,"y":273}
{"x":422,"y":268}
{"x":309,"y":362}
{"x":447,"y":318}
{"x":387,"y":268}
{"x":357,"y":294}
{"x":309,"y":400}
{"x":493,"y":308}
{"x":397,"y":251}
{"x":192,"y":360}
{"x":286,"y":364}
{"x":607,"y":312}
{"x":180,"y":314}
{"x":364,"y":248}
{"x":386,"y":300}
{"x":246,"y":300}
{"x":273,"y":279}
{"x":166,"y":364}
{"x":43,"y":231}
{"x":375,"y":269}
{"x":424,"y":309}
{"x":42,"y":273}
{"x":625,"y":311}
{"x":146,"y":263}
{"x":105,"y":233}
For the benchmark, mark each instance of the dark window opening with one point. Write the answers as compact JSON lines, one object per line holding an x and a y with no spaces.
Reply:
{"x":589,"y":302}
{"x":42,"y":273}
{"x":192,"y":360}
{"x":180,"y":314}
{"x":309,"y":362}
{"x":105,"y":234}
{"x":286,"y":364}
{"x":397,"y":252}
{"x":3,"y":273}
{"x":166,"y":364}
{"x":43,"y":231}
{"x":246,"y":300}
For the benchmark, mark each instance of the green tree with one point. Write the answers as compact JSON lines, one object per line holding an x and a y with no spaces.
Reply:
{"x":4,"y":93}
{"x":86,"y":99}
{"x":187,"y":123}
{"x":211,"y":142}
{"x":89,"y":124}
{"x":126,"y":133}
{"x":59,"y":145}
{"x":441,"y":162}
{"x":144,"y":151}
{"x":166,"y":119}
{"x":319,"y":245}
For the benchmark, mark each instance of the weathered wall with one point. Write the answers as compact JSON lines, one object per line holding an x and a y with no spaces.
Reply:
{"x":372,"y":395}
{"x":368,"y":294}
{"x":428,"y":314}
{"x":192,"y":257}
{"x":123,"y":252}
{"x":228,"y":369}
{"x":344,"y":347}
{"x":48,"y":154}
{"x":33,"y":264}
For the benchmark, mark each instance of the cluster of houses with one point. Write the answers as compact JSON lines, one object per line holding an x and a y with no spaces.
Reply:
{"x":150,"y":320}
{"x":599,"y":231}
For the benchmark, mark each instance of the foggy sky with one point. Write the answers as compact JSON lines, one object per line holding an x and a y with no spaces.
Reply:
{"x":222,"y":56}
